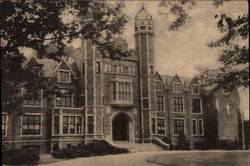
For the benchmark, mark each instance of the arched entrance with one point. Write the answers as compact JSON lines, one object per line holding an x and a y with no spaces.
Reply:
{"x":122,"y":128}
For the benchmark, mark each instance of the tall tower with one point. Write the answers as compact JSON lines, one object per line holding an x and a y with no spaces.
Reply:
{"x":144,"y":45}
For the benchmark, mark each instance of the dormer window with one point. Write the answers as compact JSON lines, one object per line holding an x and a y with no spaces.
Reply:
{"x":64,"y":76}
{"x":176,"y":88}
{"x":158,"y":86}
{"x":195,"y":89}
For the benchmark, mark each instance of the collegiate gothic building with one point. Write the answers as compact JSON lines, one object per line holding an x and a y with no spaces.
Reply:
{"x":120,"y":100}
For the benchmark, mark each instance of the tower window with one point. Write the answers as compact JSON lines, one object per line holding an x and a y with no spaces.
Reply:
{"x":151,"y":69}
{"x":149,"y":23}
{"x":97,"y":67}
{"x":83,"y":68}
{"x":142,"y":22}
{"x":149,"y":28}
{"x":136,"y":28}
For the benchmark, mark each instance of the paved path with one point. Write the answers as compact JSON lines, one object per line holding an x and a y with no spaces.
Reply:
{"x":131,"y":159}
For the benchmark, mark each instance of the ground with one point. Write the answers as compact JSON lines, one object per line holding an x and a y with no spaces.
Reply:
{"x":166,"y":158}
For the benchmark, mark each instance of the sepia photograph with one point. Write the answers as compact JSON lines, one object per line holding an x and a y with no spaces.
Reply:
{"x":125,"y":82}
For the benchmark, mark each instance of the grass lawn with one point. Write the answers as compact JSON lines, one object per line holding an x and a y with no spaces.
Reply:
{"x":203,"y":158}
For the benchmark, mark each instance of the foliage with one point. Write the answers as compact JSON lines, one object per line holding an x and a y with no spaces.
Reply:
{"x":47,"y":27}
{"x":218,"y":144}
{"x":20,"y":156}
{"x":95,"y":148}
{"x":182,"y":142}
{"x":234,"y":58}
{"x":178,"y":10}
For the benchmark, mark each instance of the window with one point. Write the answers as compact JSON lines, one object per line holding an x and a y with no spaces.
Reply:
{"x":72,"y":124}
{"x":194,"y":126}
{"x":56,"y":125}
{"x":160,"y":126}
{"x":145,"y":103}
{"x":143,"y":27}
{"x":149,"y":28}
{"x":126,"y":70}
{"x":83,"y":68}
{"x":200,"y":126}
{"x":177,"y":104}
{"x":121,"y":91}
{"x":195,"y":89}
{"x":158,"y":86}
{"x":4,"y":124}
{"x":153,"y":126}
{"x":64,"y":76}
{"x":178,"y":126}
{"x":159,"y":103}
{"x":90,"y":125}
{"x":114,"y":68}
{"x":176,"y":88}
{"x":31,"y":125}
{"x":30,"y":98}
{"x":97,"y":67}
{"x":64,"y":99}
{"x":196,"y":106}
{"x":151,"y":70}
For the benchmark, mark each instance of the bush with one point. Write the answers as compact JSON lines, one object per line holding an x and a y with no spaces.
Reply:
{"x":182,"y":142}
{"x":218,"y":144}
{"x":20,"y":156}
{"x":95,"y":148}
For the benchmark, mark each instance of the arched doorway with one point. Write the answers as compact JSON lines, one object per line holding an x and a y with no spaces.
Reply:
{"x":122,"y":128}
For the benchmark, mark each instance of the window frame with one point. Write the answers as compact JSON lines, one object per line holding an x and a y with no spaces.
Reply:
{"x":164,"y":122}
{"x":198,"y":89}
{"x":87,"y":125}
{"x":153,"y":126}
{"x":83,"y":67}
{"x":174,"y":84}
{"x":123,"y":91}
{"x":58,"y":75}
{"x":69,"y":123}
{"x":98,"y":68}
{"x":33,"y":105}
{"x":41,"y":127}
{"x":156,"y":87}
{"x":196,"y":127}
{"x":201,"y":112}
{"x":174,"y":106}
{"x":71,"y":101}
{"x":5,"y":124}
{"x":202,"y":127}
{"x":184,"y":126}
{"x":158,"y":104}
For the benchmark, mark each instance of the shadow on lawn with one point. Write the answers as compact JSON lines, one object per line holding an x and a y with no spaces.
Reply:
{"x":202,"y":159}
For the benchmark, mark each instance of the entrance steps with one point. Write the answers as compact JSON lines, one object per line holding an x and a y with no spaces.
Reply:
{"x":137,"y":147}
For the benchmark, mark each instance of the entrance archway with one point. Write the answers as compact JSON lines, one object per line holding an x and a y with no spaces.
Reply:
{"x":122,"y":127}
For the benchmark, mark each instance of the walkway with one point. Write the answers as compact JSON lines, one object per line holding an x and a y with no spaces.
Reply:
{"x":131,"y":159}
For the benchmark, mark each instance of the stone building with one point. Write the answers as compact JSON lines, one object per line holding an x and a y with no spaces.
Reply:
{"x":119,"y":100}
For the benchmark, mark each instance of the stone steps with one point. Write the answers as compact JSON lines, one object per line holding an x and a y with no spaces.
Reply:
{"x":136,"y":147}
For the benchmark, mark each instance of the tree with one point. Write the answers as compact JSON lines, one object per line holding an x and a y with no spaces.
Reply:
{"x":234,"y":58}
{"x":41,"y":24}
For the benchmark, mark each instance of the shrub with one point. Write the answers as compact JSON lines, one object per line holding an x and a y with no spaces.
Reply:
{"x":20,"y":156}
{"x":95,"y":148}
{"x":182,"y":142}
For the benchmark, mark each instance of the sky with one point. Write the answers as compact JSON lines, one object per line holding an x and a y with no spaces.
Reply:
{"x":184,"y":51}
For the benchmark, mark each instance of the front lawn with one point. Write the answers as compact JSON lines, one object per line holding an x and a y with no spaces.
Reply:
{"x":203,"y":158}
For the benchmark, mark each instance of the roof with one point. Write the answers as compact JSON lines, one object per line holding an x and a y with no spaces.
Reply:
{"x":48,"y":66}
{"x":168,"y":79}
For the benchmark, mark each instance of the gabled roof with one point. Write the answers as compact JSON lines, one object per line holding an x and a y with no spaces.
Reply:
{"x":50,"y":66}
{"x":168,"y":80}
